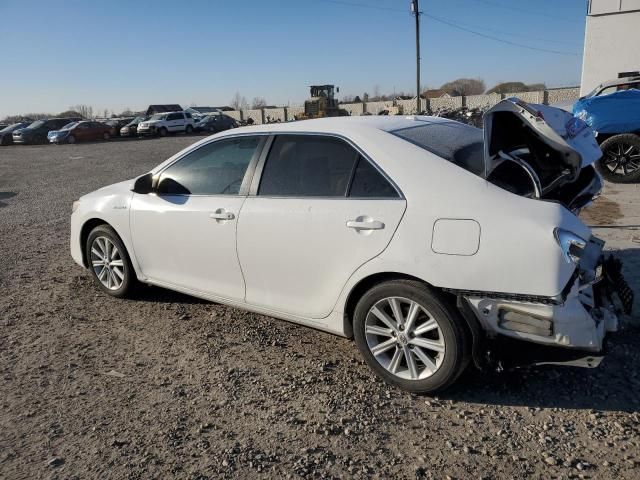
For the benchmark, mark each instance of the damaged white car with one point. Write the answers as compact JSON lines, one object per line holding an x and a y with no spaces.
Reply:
{"x":417,"y":236}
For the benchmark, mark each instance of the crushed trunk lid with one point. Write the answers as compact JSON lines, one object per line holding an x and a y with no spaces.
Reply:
{"x":541,"y":152}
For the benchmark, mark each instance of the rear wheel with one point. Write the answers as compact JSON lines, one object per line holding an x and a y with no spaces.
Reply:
{"x":410,"y":337}
{"x":620,"y":160}
{"x":189,"y":129}
{"x":109,"y":262}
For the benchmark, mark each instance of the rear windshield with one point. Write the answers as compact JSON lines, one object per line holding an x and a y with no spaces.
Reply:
{"x":456,"y":142}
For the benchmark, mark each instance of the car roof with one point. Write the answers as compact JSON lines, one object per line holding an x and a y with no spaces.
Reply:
{"x":345,"y":125}
{"x":619,"y":81}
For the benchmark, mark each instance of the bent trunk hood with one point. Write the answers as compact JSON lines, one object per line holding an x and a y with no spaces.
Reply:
{"x":556,"y":149}
{"x":555,"y":127}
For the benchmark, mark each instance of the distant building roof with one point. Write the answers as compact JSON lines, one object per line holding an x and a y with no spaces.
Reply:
{"x":435,"y":93}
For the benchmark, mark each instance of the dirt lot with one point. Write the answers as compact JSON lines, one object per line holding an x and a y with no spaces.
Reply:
{"x":169,"y":386}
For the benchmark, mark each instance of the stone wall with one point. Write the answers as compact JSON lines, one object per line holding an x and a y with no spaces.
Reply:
{"x":555,"y":95}
{"x":445,"y":103}
{"x":274,"y":114}
{"x":482,"y":101}
{"x":291,"y":112}
{"x":548,"y":97}
{"x":255,"y":115}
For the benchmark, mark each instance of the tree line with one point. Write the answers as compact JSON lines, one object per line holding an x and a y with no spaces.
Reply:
{"x":454,"y":88}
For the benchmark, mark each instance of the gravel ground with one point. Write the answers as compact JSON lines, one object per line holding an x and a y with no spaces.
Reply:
{"x":169,"y":386}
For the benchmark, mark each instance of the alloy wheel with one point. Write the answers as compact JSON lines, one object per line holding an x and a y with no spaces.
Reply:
{"x":622,"y":159}
{"x":404,"y":338}
{"x":107,"y":263}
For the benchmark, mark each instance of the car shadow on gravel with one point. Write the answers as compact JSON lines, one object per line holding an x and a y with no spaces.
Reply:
{"x":610,"y":387}
{"x":614,"y":385}
{"x":147,"y":293}
{"x":4,"y":196}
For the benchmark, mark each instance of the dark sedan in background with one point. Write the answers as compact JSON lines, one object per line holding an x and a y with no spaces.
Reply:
{"x":131,"y":128}
{"x":118,"y":123}
{"x":6,"y":134}
{"x":37,"y":132}
{"x":215,"y":123}
{"x":81,"y":132}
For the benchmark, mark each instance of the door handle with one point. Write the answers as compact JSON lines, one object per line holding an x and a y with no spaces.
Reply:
{"x":222,"y":215}
{"x":365,"y":224}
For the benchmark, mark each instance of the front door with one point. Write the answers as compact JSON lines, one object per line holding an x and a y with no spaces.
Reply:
{"x":321,"y":211}
{"x":184,"y":234}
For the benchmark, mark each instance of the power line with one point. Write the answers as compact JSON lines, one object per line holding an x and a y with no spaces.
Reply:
{"x":523,"y":10}
{"x":460,"y":27}
{"x":501,"y":40}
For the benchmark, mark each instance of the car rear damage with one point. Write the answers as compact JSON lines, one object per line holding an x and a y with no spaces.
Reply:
{"x":544,"y":153}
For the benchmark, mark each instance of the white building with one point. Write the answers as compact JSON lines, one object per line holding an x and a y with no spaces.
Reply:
{"x":612,"y":41}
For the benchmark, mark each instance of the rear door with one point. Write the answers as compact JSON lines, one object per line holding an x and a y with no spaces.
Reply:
{"x":318,"y":210}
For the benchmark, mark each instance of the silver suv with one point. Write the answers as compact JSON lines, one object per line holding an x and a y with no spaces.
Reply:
{"x":162,"y":124}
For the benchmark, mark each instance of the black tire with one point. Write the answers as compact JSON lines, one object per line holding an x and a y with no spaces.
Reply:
{"x":620,"y":162}
{"x":189,"y":129}
{"x":163,"y":132}
{"x":71,"y":139}
{"x":451,"y":327}
{"x":129,"y":281}
{"x":106,"y":135}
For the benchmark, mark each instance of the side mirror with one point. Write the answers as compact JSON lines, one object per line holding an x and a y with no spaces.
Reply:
{"x":144,"y":184}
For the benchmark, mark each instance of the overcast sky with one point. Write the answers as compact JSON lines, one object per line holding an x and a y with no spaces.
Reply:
{"x":116,"y":54}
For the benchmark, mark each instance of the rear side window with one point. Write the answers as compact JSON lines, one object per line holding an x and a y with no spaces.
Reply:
{"x":368,"y":182}
{"x":307,"y":166}
{"x":216,"y":168}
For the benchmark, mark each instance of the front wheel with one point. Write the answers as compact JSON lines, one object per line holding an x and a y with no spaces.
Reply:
{"x":71,"y":139}
{"x":109,"y":262}
{"x":106,"y":135}
{"x":410,"y":337}
{"x":163,"y":132}
{"x":620,"y":162}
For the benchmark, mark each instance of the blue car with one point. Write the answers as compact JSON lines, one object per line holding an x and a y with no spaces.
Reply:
{"x":615,"y":118}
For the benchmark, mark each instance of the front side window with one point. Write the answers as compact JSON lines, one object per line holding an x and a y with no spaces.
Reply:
{"x":217,"y":168}
{"x":308,"y":166}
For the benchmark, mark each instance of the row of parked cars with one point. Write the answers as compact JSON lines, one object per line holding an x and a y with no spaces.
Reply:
{"x":72,"y":130}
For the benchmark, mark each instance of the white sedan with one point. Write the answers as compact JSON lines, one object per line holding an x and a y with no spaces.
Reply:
{"x":416,"y":236}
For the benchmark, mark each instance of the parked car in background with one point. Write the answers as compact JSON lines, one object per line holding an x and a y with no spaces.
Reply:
{"x":161,"y":124}
{"x":84,"y":131}
{"x":615,"y":118}
{"x":6,"y":134}
{"x":215,"y":123}
{"x":37,"y":131}
{"x":615,"y":85}
{"x":425,"y":241}
{"x":131,"y":128}
{"x":118,"y":123}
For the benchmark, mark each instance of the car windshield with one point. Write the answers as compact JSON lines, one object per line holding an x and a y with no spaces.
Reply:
{"x":69,"y":126}
{"x":458,"y":143}
{"x":10,"y":128}
{"x":136,"y":120}
{"x":159,"y":116}
{"x":36,"y":124}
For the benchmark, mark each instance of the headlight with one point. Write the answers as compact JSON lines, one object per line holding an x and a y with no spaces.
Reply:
{"x":75,"y":205}
{"x":571,"y":245}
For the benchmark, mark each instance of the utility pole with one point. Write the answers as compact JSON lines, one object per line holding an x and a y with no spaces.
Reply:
{"x":415,"y":10}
